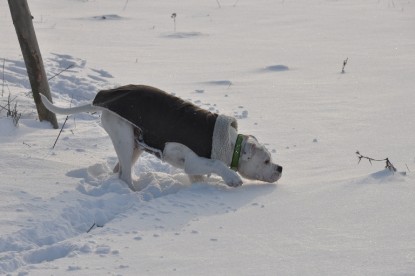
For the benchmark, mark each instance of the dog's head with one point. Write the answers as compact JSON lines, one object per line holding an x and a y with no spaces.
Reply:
{"x":256,"y":162}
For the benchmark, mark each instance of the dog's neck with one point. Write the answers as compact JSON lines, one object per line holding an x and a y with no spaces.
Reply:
{"x":224,"y":139}
{"x":237,"y":151}
{"x":233,"y":138}
{"x":228,"y":158}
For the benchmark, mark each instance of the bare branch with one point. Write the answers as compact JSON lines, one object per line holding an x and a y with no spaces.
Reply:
{"x":2,"y":88}
{"x":344,"y":65}
{"x":67,"y":68}
{"x":63,"y":125}
{"x":388,"y":165}
{"x":59,"y":134}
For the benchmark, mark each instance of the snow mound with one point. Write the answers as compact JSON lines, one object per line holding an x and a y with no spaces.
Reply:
{"x":107,"y":17}
{"x":182,"y":35}
{"x":276,"y":68}
{"x":7,"y":128}
{"x":69,"y":77}
{"x":219,"y":82}
{"x":382,"y":177}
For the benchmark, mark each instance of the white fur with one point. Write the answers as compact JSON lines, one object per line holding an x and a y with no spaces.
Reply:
{"x":224,"y":137}
{"x":252,"y":163}
{"x":67,"y":111}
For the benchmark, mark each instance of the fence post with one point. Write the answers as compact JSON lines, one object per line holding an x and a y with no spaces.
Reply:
{"x":22,"y":20}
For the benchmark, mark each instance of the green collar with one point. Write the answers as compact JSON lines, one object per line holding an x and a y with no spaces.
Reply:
{"x":237,"y":152}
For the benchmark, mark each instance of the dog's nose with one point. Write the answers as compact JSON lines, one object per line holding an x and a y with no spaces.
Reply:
{"x":279,"y":169}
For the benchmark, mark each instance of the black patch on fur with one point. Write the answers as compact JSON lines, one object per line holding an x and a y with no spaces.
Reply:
{"x":161,"y":117}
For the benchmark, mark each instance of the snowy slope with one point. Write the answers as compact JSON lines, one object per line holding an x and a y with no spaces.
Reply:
{"x":276,"y":66}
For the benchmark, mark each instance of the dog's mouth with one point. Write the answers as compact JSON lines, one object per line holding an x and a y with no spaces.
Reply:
{"x":274,"y":178}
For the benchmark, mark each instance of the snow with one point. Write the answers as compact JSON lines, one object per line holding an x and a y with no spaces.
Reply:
{"x":276,"y":66}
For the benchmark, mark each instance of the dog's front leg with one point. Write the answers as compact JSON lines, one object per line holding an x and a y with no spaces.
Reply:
{"x":195,"y":165}
{"x":181,"y":156}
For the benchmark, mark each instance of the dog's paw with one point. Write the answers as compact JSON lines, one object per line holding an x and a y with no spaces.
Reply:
{"x":232,"y":179}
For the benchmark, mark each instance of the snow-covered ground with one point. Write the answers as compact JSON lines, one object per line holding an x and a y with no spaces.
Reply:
{"x":276,"y":66}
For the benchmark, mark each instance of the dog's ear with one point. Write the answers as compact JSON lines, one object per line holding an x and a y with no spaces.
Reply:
{"x":248,"y":151}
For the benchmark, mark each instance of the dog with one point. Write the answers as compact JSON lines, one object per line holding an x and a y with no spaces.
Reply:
{"x":141,"y":118}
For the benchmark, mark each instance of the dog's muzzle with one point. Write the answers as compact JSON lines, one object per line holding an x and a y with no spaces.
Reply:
{"x":276,"y":175}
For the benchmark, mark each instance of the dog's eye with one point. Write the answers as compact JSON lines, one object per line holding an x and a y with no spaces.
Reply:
{"x":266,"y":162}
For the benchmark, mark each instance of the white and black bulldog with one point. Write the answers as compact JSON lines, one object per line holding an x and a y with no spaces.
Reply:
{"x":142,"y":118}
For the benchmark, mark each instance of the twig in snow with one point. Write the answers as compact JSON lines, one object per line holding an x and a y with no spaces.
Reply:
{"x":24,"y":143}
{"x":63,"y":125}
{"x":66,"y":119}
{"x":344,"y":65}
{"x":92,"y":227}
{"x":388,"y":165}
{"x":15,"y":115}
{"x":2,"y":88}
{"x":2,"y":107}
{"x":12,"y":111}
{"x":63,"y":70}
{"x":217,"y":1}
{"x":125,"y":5}
{"x":174,"y":15}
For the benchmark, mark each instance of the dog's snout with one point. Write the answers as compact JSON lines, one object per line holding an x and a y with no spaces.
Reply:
{"x":279,"y":169}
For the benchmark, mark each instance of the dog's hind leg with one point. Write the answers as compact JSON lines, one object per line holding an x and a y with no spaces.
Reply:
{"x":121,"y":133}
{"x":136,"y":154}
{"x":137,"y":150}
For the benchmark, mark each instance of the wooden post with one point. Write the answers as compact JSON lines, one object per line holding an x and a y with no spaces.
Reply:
{"x":22,"y":20}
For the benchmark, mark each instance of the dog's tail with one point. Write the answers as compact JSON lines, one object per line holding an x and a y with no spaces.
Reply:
{"x":67,"y":111}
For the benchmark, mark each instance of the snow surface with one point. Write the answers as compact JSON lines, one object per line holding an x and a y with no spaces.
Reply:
{"x":275,"y":65}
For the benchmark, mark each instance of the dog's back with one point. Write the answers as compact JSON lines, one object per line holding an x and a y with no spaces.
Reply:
{"x":161,"y":117}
